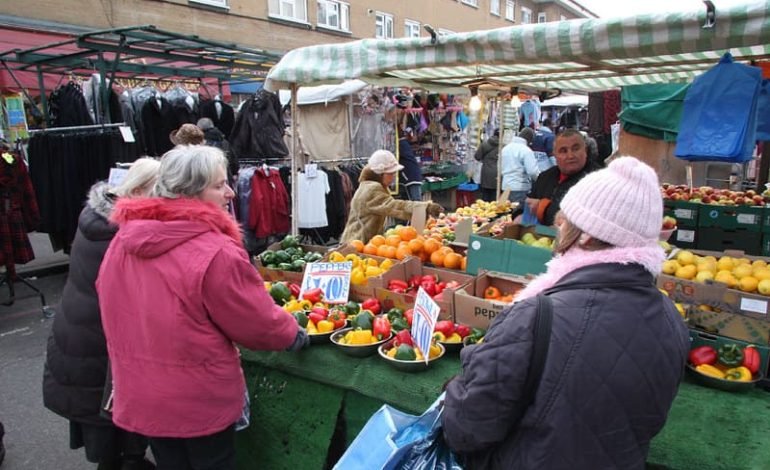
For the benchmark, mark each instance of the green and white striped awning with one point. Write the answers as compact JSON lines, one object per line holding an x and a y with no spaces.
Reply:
{"x":574,"y":55}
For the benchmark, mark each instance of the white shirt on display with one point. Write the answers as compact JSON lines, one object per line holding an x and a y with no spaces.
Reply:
{"x":312,"y":200}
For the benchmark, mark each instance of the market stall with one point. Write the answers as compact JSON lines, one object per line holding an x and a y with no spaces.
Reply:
{"x":311,"y":405}
{"x":578,"y":55}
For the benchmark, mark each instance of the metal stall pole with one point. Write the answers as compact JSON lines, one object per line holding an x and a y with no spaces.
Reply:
{"x":43,"y":98}
{"x":350,"y":126}
{"x":294,"y":162}
{"x":501,"y":136}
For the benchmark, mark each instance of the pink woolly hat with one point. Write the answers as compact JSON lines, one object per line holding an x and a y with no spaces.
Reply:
{"x":620,"y":204}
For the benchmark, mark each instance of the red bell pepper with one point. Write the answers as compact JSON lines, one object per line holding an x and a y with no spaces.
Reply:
{"x":320,"y":311}
{"x":294,"y":289}
{"x":440,"y":286}
{"x":394,"y":284}
{"x":414,"y":281}
{"x":409,"y":315}
{"x":315,"y":317}
{"x":313,"y":295}
{"x":751,"y":359}
{"x":429,"y":286}
{"x":703,"y":355}
{"x":445,"y":327}
{"x":338,"y":317}
{"x":381,"y":328}
{"x":373,"y":305}
{"x":403,"y":337}
{"x":462,"y":330}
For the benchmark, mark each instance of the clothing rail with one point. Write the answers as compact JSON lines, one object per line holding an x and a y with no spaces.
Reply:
{"x":76,"y":128}
{"x":337,"y":160}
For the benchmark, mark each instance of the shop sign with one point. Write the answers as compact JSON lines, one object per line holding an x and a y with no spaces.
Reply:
{"x":426,"y":312}
{"x":332,"y":278}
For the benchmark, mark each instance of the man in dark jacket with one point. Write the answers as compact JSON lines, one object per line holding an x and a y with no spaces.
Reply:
{"x":411,"y":175}
{"x":617,"y":347}
{"x":215,"y":138}
{"x":487,"y":154}
{"x":572,"y":164}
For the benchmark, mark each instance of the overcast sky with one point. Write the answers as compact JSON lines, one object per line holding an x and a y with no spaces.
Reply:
{"x":610,"y":8}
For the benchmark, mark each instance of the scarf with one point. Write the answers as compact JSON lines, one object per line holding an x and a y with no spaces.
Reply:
{"x":650,"y":257}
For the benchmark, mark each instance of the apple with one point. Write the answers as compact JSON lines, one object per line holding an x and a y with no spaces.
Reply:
{"x":706,"y":199}
{"x":706,"y":189}
{"x":668,"y":223}
{"x":750,"y":193}
{"x":740,"y":200}
{"x":758,"y":200}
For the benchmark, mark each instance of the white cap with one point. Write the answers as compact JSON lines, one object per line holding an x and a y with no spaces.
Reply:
{"x":383,"y":161}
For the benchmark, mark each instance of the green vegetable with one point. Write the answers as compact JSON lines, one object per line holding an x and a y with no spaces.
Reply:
{"x":363,"y":320}
{"x":280,"y":293}
{"x":298,"y":265}
{"x":282,"y":257}
{"x":301,"y":318}
{"x":293,"y":251}
{"x":405,"y":353}
{"x":395,"y":313}
{"x":312,"y":257}
{"x":730,"y":355}
{"x":399,"y":324}
{"x":289,"y":241}
{"x":267,"y":258}
{"x":272,"y":266}
{"x":352,"y":308}
{"x":285,"y":266}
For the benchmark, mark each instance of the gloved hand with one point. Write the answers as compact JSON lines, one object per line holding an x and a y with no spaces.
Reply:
{"x":434,"y":209}
{"x":301,"y":341}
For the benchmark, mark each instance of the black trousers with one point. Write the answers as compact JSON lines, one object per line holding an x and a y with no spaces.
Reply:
{"x":212,"y":452}
{"x":489,"y":195}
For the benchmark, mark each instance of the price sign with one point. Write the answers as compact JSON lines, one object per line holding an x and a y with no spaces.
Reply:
{"x":332,"y":278}
{"x":117,"y":175}
{"x":424,"y":322}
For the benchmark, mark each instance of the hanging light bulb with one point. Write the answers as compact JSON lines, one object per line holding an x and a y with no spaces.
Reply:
{"x":475,"y":103}
{"x":515,"y":102}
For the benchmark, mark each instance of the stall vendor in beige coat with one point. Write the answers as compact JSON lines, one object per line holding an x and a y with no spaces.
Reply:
{"x":372,"y":202}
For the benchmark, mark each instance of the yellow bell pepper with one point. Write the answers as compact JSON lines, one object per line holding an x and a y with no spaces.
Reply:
{"x":439,"y":336}
{"x":711,"y":371}
{"x":392,"y":353}
{"x":336,"y":257}
{"x":292,"y":306}
{"x":311,"y":328}
{"x":353,"y":258}
{"x":305,"y":304}
{"x":360,"y":337}
{"x":455,"y":338}
{"x":373,"y":271}
{"x":357,"y":277}
{"x":739,"y":374}
{"x":419,"y":355}
{"x":434,"y":351}
{"x":325,"y":326}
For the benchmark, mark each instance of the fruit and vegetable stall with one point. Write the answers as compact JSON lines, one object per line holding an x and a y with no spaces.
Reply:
{"x":364,"y":353}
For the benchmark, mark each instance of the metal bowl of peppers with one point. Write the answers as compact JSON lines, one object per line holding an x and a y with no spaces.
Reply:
{"x":391,"y":351}
{"x":731,"y":367}
{"x":357,"y":350}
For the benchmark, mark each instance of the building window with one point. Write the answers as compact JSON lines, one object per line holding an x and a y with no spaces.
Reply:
{"x":384,"y":26}
{"x":213,"y":3}
{"x":526,"y":15}
{"x":411,"y":29}
{"x":541,"y":18}
{"x":334,"y":14}
{"x":509,"y":10}
{"x":293,"y":10}
{"x":494,"y":7}
{"x":442,"y":31}
{"x":473,"y":3}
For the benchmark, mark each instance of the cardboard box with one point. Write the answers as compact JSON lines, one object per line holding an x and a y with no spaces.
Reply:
{"x":721,"y":239}
{"x":398,"y":271}
{"x":750,"y":218}
{"x":730,"y":325}
{"x":446,"y":301}
{"x":504,"y":254}
{"x":716,"y":294}
{"x":273,"y":275}
{"x":699,"y":338}
{"x":472,"y":309}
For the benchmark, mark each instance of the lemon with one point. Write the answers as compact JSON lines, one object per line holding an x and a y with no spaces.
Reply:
{"x":748,"y":284}
{"x":725,"y":277}
{"x":761,"y":273}
{"x":704,"y":276}
{"x":685,"y":257}
{"x":764,"y":287}
{"x":670,"y":266}
{"x":742,"y":270}
{"x":725,"y":263}
{"x":686,"y":272}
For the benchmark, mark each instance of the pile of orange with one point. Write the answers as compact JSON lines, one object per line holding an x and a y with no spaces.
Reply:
{"x":405,"y":241}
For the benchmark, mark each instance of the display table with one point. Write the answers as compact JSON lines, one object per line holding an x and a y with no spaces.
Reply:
{"x":308,"y":406}
{"x":444,"y":192}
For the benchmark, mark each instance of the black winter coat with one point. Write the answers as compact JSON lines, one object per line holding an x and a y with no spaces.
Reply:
{"x":616,"y":357}
{"x":487,"y":154}
{"x":157,"y":124}
{"x":258,"y":131}
{"x":548,"y":186}
{"x":76,"y":359}
{"x":223,"y":122}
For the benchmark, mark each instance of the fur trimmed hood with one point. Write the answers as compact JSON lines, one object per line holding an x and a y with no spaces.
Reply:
{"x":367,"y":174}
{"x":101,"y":200}
{"x":651,"y":258}
{"x":155,"y":225}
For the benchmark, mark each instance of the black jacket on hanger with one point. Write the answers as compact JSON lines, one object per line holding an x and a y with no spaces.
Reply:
{"x":224,"y":121}
{"x":183,"y":113}
{"x":157,"y":124}
{"x":258,"y":131}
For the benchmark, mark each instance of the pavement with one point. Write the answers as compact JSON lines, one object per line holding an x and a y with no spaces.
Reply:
{"x":35,"y":438}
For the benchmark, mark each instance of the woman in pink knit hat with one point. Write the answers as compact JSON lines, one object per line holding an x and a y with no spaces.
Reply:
{"x":616,"y":352}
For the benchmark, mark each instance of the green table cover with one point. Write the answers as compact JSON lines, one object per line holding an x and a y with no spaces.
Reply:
{"x":308,"y":406}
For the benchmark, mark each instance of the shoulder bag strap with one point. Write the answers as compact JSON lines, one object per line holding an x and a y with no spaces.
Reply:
{"x":541,"y":342}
